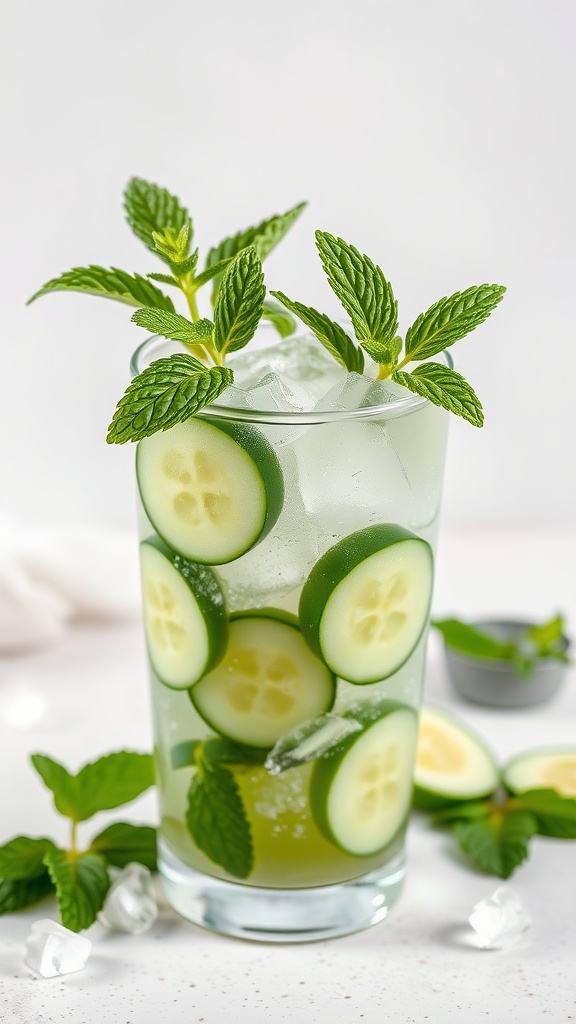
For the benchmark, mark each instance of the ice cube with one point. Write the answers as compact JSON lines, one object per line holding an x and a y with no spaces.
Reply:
{"x":300,"y":357}
{"x":500,"y":919}
{"x":308,"y":741}
{"x":52,"y":950}
{"x":354,"y":391}
{"x":130,"y":904}
{"x":234,"y":398}
{"x":276,"y":392}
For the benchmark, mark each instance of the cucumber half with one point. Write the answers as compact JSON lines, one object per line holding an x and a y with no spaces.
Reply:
{"x":366,"y":602}
{"x":211,"y":492}
{"x":452,"y":763}
{"x":267,"y":683}
{"x":543,"y":769}
{"x":185,"y":618}
{"x":360,"y":793}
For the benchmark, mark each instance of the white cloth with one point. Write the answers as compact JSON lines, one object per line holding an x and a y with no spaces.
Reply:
{"x":55,"y":574}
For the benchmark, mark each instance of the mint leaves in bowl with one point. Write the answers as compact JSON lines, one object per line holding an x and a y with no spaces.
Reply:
{"x":505,"y":662}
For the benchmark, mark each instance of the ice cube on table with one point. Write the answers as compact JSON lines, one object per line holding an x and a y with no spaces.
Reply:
{"x":52,"y":950}
{"x":308,"y":741}
{"x":500,"y":919}
{"x":130,"y":905}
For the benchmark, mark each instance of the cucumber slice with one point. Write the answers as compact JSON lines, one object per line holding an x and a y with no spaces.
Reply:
{"x":365,"y":603}
{"x":360,"y":793}
{"x":542,"y":769}
{"x":184,"y":615}
{"x":452,"y":763}
{"x":211,"y":492}
{"x":267,"y":683}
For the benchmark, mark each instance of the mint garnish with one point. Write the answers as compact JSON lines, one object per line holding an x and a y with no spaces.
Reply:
{"x":31,"y":868}
{"x":109,"y":284}
{"x":152,"y":210}
{"x":545,"y":641}
{"x":498,"y":842}
{"x":368,"y":299}
{"x":239,"y":305}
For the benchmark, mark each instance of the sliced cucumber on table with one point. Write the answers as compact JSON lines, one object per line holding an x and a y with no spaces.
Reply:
{"x":542,"y":769}
{"x":360,"y":793}
{"x":210,"y":491}
{"x":185,"y":617}
{"x":452,"y":762}
{"x":266,"y":684}
{"x":366,"y":602}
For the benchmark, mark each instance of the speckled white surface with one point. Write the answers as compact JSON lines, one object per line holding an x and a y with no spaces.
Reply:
{"x":89,"y":696}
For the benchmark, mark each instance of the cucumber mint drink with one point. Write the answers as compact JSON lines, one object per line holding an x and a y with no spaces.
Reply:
{"x":288,"y":506}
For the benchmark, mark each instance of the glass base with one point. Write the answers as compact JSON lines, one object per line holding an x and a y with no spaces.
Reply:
{"x":280,"y":915}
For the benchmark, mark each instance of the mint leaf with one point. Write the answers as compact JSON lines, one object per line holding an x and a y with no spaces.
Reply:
{"x":468,"y":810}
{"x":122,"y":843}
{"x":548,"y":636}
{"x":444,"y":387}
{"x":165,"y":279}
{"x":172,"y":325}
{"x":23,"y":857}
{"x":365,"y":294}
{"x":499,"y":843}
{"x":331,"y":335}
{"x":217,"y":820}
{"x":450,"y":319}
{"x":167,"y":392}
{"x":472,"y":641}
{"x":226,"y":751}
{"x":211,"y":272}
{"x":183,"y":754}
{"x":108,"y":782}
{"x":132,"y":289}
{"x":17,"y":893}
{"x":62,"y":784}
{"x":173,"y":245}
{"x":555,"y":814}
{"x":150,"y":208}
{"x":82,"y":882}
{"x":282,"y":321}
{"x":265,"y":236}
{"x":240,"y":300}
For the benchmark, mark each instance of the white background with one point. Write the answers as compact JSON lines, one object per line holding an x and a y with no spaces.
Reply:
{"x":436,"y":135}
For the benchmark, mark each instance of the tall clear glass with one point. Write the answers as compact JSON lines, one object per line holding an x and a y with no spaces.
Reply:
{"x":284,"y":769}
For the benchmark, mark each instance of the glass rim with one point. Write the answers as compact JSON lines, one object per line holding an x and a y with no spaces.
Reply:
{"x":391,"y":410}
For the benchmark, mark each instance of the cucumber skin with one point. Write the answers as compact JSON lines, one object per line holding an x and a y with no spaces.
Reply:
{"x":266,"y":461}
{"x":326,"y":767}
{"x":214,"y":614}
{"x":333,"y":567}
{"x":277,"y":615}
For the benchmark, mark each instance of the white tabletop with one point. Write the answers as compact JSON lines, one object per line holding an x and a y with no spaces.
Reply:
{"x":88,"y":696}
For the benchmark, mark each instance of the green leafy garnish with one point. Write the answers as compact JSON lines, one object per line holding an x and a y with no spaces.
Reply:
{"x":167,"y":392}
{"x":30,"y":868}
{"x":240,"y":299}
{"x":497,"y":842}
{"x":131,"y":289}
{"x":534,"y":643}
{"x":368,"y":299}
{"x":152,"y":210}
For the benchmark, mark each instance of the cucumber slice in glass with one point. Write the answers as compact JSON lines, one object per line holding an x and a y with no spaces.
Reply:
{"x":542,"y":769}
{"x":366,"y":602}
{"x":185,"y":618}
{"x":211,"y":492}
{"x":360,"y":793}
{"x":452,"y":762}
{"x":266,"y":684}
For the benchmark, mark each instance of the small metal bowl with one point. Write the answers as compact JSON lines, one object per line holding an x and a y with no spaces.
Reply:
{"x":495,"y":681}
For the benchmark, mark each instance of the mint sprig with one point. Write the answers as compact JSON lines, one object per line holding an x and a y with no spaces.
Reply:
{"x":31,"y":868}
{"x":497,"y":842}
{"x":535,"y":643}
{"x":240,"y":299}
{"x":368,"y":299}
{"x":330,"y":334}
{"x":152,"y":210}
